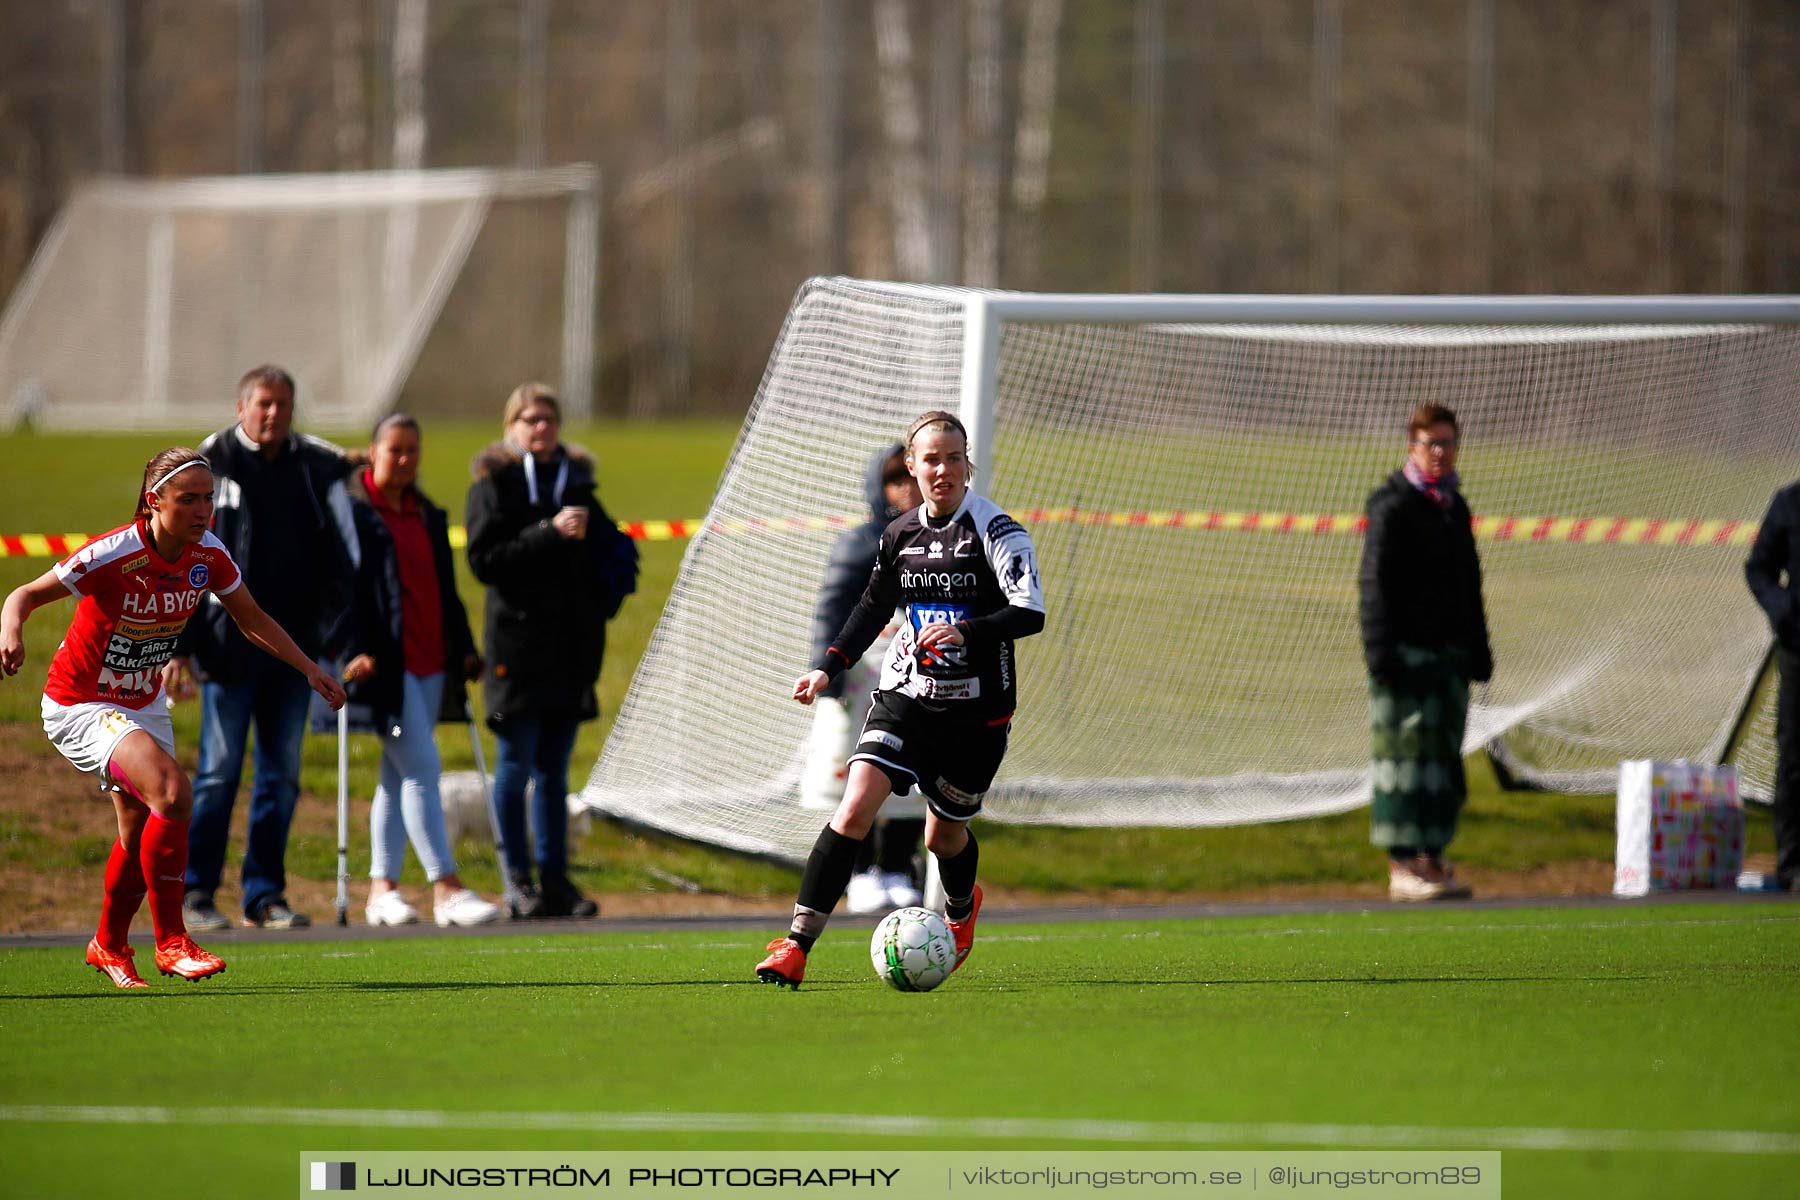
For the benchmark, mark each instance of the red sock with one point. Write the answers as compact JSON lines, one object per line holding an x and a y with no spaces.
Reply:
{"x":124,"y":893}
{"x":164,"y":854}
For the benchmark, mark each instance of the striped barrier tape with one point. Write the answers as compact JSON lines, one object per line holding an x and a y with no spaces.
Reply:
{"x":1608,"y":531}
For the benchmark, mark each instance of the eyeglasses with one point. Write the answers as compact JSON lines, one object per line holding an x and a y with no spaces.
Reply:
{"x":1436,"y":443}
{"x":540,"y":419}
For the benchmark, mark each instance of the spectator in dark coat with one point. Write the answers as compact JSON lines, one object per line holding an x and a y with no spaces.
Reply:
{"x":410,"y":654}
{"x":1425,"y":638}
{"x":281,"y":509}
{"x":556,"y":567}
{"x":888,"y":864}
{"x":1775,"y":553}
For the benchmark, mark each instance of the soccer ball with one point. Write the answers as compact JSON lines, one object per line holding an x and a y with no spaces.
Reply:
{"x":913,"y":949}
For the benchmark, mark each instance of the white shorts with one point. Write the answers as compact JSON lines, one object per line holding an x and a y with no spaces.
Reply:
{"x":87,"y":734}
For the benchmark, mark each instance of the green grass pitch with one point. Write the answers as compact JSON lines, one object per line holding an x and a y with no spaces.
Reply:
{"x":1607,"y":1050}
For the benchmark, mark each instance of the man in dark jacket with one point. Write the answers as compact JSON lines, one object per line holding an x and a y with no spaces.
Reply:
{"x":1424,"y":638}
{"x":281,"y":511}
{"x":1776,"y":552}
{"x":887,"y":875}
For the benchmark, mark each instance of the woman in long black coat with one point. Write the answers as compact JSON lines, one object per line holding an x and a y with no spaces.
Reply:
{"x":556,"y":567}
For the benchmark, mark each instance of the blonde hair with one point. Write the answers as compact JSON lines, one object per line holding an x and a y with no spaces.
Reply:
{"x":160,"y":470}
{"x":522,"y":396}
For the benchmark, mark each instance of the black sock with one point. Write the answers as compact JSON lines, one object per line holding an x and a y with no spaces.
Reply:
{"x":1402,"y":854}
{"x":899,"y":841}
{"x":822,"y":883}
{"x":959,"y":880}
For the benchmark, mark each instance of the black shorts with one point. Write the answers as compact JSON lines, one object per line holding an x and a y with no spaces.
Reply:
{"x":953,"y":762}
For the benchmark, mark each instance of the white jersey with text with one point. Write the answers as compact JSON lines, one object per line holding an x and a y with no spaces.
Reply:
{"x":134,"y":604}
{"x":976,"y":569}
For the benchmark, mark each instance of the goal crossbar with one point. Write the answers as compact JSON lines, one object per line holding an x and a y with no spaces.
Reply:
{"x":1192,"y":467}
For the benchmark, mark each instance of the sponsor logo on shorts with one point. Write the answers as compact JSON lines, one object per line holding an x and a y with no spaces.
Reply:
{"x":927,"y":688}
{"x":956,"y":795}
{"x":197,"y":575}
{"x":884,"y":738}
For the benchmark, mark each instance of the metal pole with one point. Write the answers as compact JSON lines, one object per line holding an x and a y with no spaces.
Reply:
{"x":343,"y":813}
{"x":486,"y":790}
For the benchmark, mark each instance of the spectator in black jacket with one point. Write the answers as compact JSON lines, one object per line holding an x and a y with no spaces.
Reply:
{"x":888,"y":864}
{"x":411,"y":652}
{"x":1776,"y":552}
{"x":281,"y":509}
{"x":1424,"y":638}
{"x":556,"y":567}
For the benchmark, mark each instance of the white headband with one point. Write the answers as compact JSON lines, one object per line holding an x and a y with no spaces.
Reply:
{"x":192,"y":462}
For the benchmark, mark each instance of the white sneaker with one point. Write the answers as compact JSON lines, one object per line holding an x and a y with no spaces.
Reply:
{"x":900,"y":890}
{"x":391,"y":908}
{"x":1407,"y":886}
{"x":464,"y":908}
{"x":866,"y":893}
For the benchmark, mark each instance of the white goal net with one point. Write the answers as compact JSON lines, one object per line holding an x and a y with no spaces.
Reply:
{"x":149,"y":298}
{"x":1193,"y":471}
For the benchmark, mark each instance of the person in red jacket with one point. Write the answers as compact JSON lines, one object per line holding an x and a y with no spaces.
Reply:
{"x":138,"y":586}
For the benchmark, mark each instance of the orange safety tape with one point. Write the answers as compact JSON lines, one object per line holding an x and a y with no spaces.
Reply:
{"x":1610,"y":531}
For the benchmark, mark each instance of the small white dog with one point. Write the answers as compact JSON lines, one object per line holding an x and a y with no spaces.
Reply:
{"x":465,"y":803}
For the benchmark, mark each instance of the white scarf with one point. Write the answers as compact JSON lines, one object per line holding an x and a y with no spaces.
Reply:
{"x":531,"y":482}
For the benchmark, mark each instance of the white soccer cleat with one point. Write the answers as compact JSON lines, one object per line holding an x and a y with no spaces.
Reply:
{"x":465,"y":909}
{"x":391,"y":908}
{"x":867,"y":893}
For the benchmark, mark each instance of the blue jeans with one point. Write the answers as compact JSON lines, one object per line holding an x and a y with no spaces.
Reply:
{"x":275,"y":701}
{"x":407,"y":803}
{"x":535,"y":749}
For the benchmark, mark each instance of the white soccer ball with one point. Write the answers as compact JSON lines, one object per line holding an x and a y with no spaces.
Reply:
{"x":913,"y":949}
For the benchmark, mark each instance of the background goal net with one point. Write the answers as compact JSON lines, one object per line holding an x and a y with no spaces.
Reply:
{"x":1193,"y":471}
{"x":149,"y":298}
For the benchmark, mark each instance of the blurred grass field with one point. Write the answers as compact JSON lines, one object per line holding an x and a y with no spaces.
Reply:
{"x":86,"y":483}
{"x":1583,"y":1042}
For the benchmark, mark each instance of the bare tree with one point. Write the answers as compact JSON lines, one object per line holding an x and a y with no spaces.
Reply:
{"x":1031,"y":147}
{"x":981,"y":192}
{"x":903,"y":128}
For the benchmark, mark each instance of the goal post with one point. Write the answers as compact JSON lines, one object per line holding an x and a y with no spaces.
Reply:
{"x":1193,"y":471}
{"x":148,"y":298}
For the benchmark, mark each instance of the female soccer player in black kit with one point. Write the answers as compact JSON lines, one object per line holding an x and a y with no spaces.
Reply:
{"x":965,"y":575}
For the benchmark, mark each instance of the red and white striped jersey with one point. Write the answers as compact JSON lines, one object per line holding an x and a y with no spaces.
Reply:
{"x":133,"y":607}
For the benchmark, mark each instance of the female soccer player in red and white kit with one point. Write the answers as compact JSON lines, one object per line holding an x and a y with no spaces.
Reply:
{"x":137,"y":586}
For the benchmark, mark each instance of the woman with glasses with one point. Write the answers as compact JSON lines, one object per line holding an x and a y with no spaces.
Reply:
{"x":1424,"y":638}
{"x":556,"y":567}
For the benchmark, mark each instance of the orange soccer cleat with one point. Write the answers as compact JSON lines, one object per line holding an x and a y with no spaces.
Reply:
{"x":964,"y":931}
{"x":786,"y":963}
{"x":115,"y":965}
{"x":179,"y":956}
